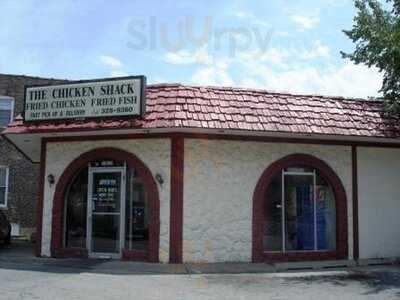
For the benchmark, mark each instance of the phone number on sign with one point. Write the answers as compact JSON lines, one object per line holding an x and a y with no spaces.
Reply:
{"x":117,"y":110}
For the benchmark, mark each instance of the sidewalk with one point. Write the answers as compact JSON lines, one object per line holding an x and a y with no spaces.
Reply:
{"x":24,"y":276}
{"x":117,"y":267}
{"x":19,"y":256}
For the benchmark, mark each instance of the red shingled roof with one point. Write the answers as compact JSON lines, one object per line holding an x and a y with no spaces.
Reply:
{"x":180,"y":106}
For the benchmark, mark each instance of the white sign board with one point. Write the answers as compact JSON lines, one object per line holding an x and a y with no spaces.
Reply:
{"x":86,"y":99}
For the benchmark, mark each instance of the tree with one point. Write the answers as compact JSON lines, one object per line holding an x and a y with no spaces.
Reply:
{"x":376,"y":34}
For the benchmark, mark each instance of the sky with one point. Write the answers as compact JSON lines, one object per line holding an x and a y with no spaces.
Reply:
{"x":282,"y":45}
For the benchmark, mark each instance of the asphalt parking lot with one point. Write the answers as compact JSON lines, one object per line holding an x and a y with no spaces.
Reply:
{"x":64,"y":284}
{"x":22,"y":276}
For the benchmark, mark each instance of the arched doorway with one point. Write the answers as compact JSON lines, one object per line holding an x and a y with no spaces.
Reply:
{"x":122,"y":217}
{"x":299,"y":212}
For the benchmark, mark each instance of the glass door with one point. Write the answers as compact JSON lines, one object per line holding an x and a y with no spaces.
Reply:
{"x":106,"y":195}
{"x":298,"y":199}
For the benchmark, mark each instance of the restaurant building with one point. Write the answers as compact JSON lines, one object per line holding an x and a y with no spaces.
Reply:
{"x":177,"y":173}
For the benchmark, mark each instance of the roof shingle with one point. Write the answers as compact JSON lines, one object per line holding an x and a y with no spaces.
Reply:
{"x":176,"y":105}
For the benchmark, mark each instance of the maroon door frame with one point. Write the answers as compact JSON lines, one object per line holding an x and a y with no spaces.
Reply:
{"x":341,"y":252}
{"x":57,"y":248}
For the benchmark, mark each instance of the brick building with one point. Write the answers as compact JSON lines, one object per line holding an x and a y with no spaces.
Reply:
{"x":209,"y":174}
{"x":18,"y":175}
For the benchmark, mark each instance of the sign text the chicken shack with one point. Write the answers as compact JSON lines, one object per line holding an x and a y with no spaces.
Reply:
{"x":86,"y":99}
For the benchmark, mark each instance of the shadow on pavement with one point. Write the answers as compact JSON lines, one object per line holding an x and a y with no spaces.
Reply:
{"x":373,"y":280}
{"x":20,"y":256}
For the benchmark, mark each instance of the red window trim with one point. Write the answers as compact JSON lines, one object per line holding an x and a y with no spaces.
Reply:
{"x":57,"y":249}
{"x":341,"y":252}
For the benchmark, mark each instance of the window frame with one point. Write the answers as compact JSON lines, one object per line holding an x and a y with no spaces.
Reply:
{"x":284,"y":221}
{"x":314,"y":174}
{"x":12,"y":100}
{"x":6,"y":186}
{"x":330,"y":176}
{"x":57,"y":248}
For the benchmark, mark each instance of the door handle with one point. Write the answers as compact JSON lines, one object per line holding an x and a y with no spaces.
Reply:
{"x":278,"y":206}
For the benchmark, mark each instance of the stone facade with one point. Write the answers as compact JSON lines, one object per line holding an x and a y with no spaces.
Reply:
{"x":220,"y":177}
{"x":219,"y":182}
{"x":23,"y":176}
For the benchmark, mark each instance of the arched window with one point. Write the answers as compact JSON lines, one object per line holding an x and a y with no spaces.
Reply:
{"x":299,"y":212}
{"x":120,"y":196}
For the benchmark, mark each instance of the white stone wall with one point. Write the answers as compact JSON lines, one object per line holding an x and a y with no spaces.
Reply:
{"x":219,"y":182}
{"x":379,"y":202}
{"x":155,"y":153}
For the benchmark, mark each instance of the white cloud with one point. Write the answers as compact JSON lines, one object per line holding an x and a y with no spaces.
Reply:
{"x":181,"y":57}
{"x":215,"y":74}
{"x":282,"y":33}
{"x":294,"y":69}
{"x":353,"y":81}
{"x":158,"y":80}
{"x":282,"y":58}
{"x":185,"y":57}
{"x":251,"y":17}
{"x":337,"y":3}
{"x":212,"y":76}
{"x":114,"y":64}
{"x":273,"y":56}
{"x":250,"y":83}
{"x":111,"y":62}
{"x":348,"y":80}
{"x":319,"y":50}
{"x":210,"y":71}
{"x":243,"y":14}
{"x":118,"y":73}
{"x":305,"y":22}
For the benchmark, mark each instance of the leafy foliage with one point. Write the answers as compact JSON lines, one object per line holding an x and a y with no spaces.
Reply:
{"x":376,"y":34}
